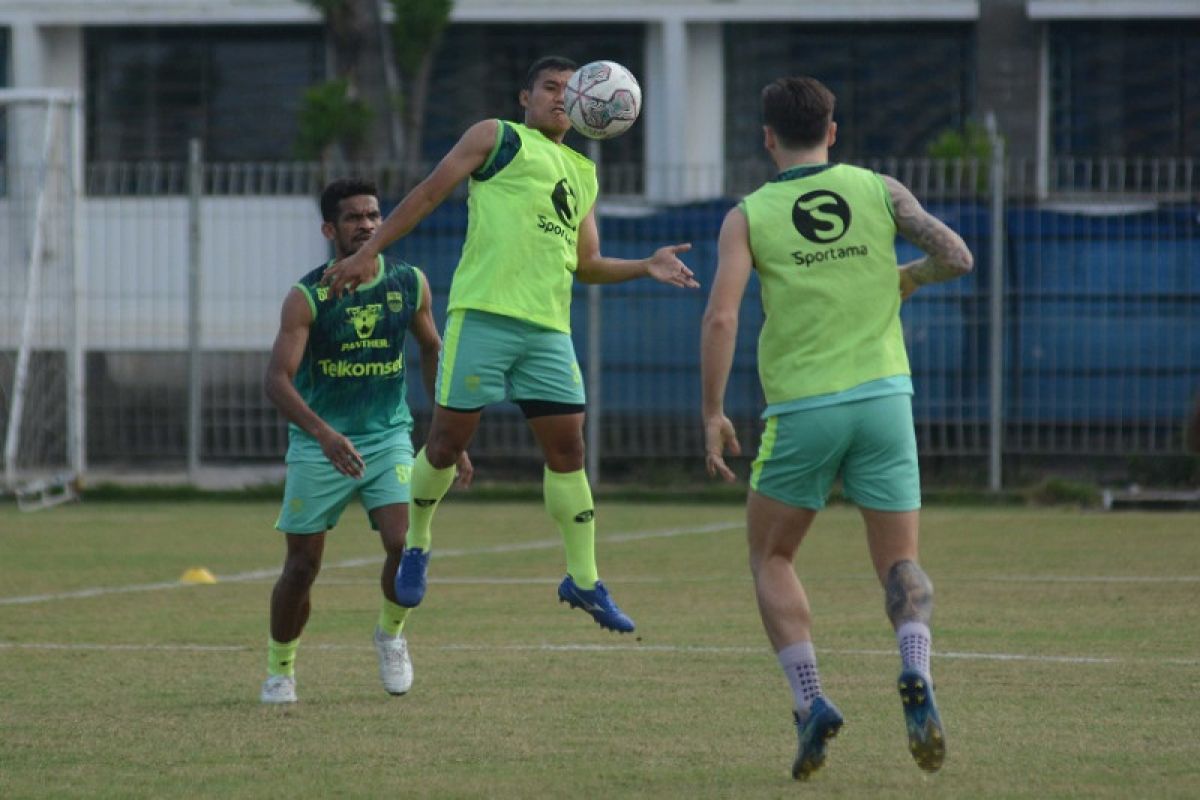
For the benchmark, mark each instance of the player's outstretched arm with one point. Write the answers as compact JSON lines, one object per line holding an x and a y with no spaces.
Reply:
{"x":664,"y":265}
{"x":467,"y":155}
{"x":718,"y":337}
{"x":294,"y":326}
{"x":947,"y":255}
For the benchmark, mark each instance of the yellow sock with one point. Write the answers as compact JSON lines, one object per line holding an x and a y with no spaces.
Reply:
{"x":392,"y":617}
{"x":429,"y":486}
{"x":569,"y":501}
{"x":281,"y":657}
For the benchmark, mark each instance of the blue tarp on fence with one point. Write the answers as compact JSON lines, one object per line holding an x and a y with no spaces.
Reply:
{"x":1102,"y":315}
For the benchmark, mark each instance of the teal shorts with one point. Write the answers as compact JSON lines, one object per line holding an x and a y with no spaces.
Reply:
{"x":315,"y":494}
{"x":487,"y":358}
{"x":870,"y":444}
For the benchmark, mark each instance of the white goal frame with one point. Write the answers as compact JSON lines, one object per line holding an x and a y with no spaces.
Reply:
{"x":55,"y":150}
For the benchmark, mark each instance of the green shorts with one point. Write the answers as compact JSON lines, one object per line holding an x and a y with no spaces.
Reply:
{"x":315,"y":494}
{"x":871,"y":444}
{"x":487,"y":358}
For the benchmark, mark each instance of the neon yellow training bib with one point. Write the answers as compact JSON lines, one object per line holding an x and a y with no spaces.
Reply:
{"x":823,"y":241}
{"x":524,"y":208}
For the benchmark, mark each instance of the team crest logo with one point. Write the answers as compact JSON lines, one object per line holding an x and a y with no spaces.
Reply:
{"x":565,"y":202}
{"x":395,"y":302}
{"x":821,"y":216}
{"x":363,"y":318}
{"x":322,"y":294}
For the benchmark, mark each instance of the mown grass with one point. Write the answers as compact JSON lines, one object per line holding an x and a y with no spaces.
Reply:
{"x":1067,"y":659}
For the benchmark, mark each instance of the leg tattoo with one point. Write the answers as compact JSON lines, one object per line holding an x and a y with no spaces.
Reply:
{"x":909,"y":594}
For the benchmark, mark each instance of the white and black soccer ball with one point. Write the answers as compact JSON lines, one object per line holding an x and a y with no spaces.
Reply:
{"x":603,"y":99}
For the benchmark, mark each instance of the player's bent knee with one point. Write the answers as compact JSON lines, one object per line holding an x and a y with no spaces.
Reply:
{"x":301,"y":571}
{"x":443,"y":450}
{"x":564,"y":459}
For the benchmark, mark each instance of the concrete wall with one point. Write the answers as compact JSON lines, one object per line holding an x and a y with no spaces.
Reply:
{"x":135,"y":265}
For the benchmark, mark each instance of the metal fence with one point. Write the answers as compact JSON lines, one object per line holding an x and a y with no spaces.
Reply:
{"x":1078,"y":333}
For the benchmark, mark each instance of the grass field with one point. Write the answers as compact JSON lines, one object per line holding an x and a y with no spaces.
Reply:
{"x":1067,"y":658}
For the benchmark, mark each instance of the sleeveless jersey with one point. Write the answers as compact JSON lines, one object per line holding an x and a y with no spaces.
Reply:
{"x":352,"y":371}
{"x":524,"y":206}
{"x":823,"y":242}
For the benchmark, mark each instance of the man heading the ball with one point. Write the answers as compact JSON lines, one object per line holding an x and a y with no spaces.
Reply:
{"x":531,"y":231}
{"x":835,"y":374}
{"x":337,"y":373}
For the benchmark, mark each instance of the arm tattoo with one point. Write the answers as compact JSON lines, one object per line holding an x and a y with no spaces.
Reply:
{"x":909,"y":594}
{"x":947,"y":254}
{"x":930,"y":270}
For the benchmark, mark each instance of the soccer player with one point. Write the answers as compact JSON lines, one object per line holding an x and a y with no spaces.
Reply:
{"x":531,"y":230}
{"x":835,"y":374}
{"x":337,"y":373}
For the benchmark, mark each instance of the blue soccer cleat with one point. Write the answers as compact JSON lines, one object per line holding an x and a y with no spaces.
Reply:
{"x":926,"y":740}
{"x":823,"y":723}
{"x":410,"y":579}
{"x":597,"y":603}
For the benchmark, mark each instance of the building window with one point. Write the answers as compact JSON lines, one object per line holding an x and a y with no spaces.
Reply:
{"x":239,"y":90}
{"x":1125,"y":89}
{"x":465,"y":90}
{"x":897,"y":87}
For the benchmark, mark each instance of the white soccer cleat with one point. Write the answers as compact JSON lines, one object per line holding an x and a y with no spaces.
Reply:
{"x":279,"y":689}
{"x":395,"y":667}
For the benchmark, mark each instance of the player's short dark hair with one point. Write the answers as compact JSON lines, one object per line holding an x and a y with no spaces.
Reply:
{"x":338,"y":190}
{"x":798,"y":109}
{"x":552,"y":63}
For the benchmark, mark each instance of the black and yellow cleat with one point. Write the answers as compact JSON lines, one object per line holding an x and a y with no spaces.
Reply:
{"x":926,"y":739}
{"x":823,"y":723}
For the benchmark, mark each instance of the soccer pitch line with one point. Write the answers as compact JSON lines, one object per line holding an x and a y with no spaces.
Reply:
{"x":957,"y":656}
{"x":545,"y":544}
{"x":1095,"y":579}
{"x":493,"y":580}
{"x":651,"y":649}
{"x":746,"y":578}
{"x":273,"y":572}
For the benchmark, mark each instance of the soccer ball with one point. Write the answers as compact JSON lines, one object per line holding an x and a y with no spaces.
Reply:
{"x":603,"y":99}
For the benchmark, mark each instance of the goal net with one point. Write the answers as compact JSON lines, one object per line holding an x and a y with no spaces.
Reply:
{"x":41,"y":364}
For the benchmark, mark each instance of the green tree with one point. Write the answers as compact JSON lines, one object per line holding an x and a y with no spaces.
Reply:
{"x":329,"y":119}
{"x":417,"y":29}
{"x":357,"y":98}
{"x":970,"y":142}
{"x":962,"y":146}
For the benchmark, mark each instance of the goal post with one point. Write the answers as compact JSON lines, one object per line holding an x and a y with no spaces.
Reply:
{"x":41,"y":281}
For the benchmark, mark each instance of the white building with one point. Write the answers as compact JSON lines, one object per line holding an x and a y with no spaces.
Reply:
{"x":700,"y":63}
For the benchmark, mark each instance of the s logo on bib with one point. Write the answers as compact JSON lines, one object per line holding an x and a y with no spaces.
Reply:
{"x":821,"y":216}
